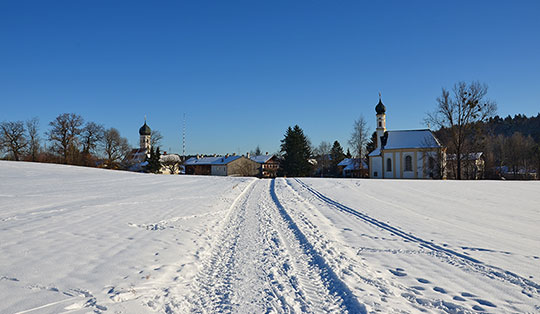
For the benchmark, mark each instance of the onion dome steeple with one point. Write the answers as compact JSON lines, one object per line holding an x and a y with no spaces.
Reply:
{"x":380,"y":108}
{"x":145,"y":129}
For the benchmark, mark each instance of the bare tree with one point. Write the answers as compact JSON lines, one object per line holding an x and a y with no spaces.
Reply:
{"x":12,"y":138}
{"x":32,"y":128}
{"x":91,"y":135}
{"x":115,"y":147}
{"x":520,"y":155}
{"x":155,"y":138}
{"x":63,"y":134}
{"x":322,"y":155}
{"x":458,"y":113}
{"x":359,"y":137}
{"x":434,"y":159}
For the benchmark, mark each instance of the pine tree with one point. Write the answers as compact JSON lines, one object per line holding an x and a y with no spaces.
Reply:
{"x":348,"y":154}
{"x":153,"y":165}
{"x":337,"y":156}
{"x":372,"y":144}
{"x":296,"y":153}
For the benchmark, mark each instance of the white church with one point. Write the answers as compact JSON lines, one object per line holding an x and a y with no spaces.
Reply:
{"x":405,"y":154}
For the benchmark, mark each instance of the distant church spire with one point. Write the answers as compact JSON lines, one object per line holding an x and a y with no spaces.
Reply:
{"x":381,"y":120}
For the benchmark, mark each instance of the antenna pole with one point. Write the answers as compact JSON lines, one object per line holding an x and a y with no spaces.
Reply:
{"x":184,"y":138}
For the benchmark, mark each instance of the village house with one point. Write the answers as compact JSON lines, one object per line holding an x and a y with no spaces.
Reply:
{"x":228,"y":165}
{"x":353,"y":168}
{"x":410,"y":154}
{"x":268,"y":165}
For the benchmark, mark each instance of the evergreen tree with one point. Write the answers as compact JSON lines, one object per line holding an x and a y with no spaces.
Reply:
{"x":337,"y":156}
{"x":348,"y":154}
{"x":372,"y":144}
{"x":153,"y":165}
{"x":296,"y":153}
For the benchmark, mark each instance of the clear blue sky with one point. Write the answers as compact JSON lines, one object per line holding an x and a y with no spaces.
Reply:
{"x":243,"y":71}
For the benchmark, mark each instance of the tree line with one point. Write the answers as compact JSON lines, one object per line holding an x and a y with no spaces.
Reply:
{"x":466,"y":124}
{"x":69,"y":140}
{"x":465,"y":121}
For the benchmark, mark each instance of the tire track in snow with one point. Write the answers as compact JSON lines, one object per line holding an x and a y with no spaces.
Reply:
{"x":263,"y":263}
{"x":318,"y":265}
{"x":529,"y":287}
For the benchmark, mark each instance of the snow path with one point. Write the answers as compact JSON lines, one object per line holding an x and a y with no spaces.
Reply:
{"x":262,"y":263}
{"x":461,"y":272}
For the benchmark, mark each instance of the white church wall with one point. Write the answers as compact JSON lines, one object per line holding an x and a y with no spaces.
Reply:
{"x":397,"y":162}
{"x":389,"y":172}
{"x":408,"y":174}
{"x":419,"y":165}
{"x":376,"y":168}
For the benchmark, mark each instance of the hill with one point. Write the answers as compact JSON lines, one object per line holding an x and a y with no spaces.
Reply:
{"x":81,"y":239}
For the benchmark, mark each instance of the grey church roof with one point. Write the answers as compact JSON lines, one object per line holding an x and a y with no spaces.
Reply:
{"x":405,"y":139}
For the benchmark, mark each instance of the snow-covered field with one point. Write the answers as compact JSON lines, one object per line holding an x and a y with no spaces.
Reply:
{"x":77,"y":240}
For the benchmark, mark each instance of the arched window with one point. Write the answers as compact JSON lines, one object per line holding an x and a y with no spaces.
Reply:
{"x":388,"y":164}
{"x":408,"y":163}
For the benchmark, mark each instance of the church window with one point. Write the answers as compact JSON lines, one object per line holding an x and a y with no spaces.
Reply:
{"x":408,"y":163}
{"x":380,"y":124}
{"x":388,"y":164}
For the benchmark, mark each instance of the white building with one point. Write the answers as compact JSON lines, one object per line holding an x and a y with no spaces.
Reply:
{"x":228,"y":165}
{"x":406,"y":154}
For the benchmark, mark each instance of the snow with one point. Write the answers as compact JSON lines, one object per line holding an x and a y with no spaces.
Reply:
{"x":261,"y":159}
{"x":84,"y":240}
{"x":218,"y":160}
{"x":411,"y":139}
{"x":404,"y":139}
{"x":170,"y":158}
{"x":353,"y":163}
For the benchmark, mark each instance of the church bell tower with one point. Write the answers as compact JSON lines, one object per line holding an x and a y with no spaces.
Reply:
{"x":145,"y":133}
{"x":381,"y":121}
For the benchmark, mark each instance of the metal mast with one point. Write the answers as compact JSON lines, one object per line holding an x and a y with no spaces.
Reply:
{"x":184,"y":138}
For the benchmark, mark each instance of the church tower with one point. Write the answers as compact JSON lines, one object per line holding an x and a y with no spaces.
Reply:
{"x":145,"y":133}
{"x":381,"y":120}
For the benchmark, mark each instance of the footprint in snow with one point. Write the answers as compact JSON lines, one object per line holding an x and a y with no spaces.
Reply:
{"x":422,"y":280}
{"x":467,"y":295}
{"x":439,"y":289}
{"x":458,"y":298}
{"x":485,"y":302}
{"x":478,"y":308}
{"x":398,"y":272}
